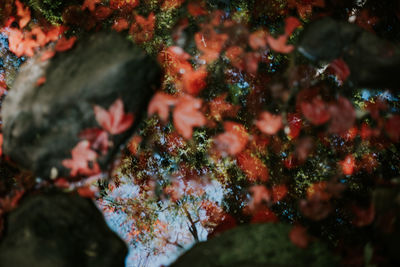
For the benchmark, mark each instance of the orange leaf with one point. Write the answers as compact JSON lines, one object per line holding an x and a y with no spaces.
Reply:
{"x":114,"y":121}
{"x":41,"y":81}
{"x":187,"y":115}
{"x":120,"y":25}
{"x":90,"y":4}
{"x":160,"y":104}
{"x":253,"y":167}
{"x":142,"y":29}
{"x":81,"y":156}
{"x":233,"y":140}
{"x":23,"y":13}
{"x":210,"y":44}
{"x":348,"y":165}
{"x":269,"y":123}
{"x":194,"y":81}
{"x":65,"y":44}
{"x":279,"y":192}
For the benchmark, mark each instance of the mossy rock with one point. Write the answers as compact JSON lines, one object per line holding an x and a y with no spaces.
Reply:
{"x":256,"y":245}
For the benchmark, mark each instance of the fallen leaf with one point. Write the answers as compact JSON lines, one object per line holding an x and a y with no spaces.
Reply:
{"x":82,"y":156}
{"x":115,"y":120}
{"x":160,"y":104}
{"x":187,"y":115}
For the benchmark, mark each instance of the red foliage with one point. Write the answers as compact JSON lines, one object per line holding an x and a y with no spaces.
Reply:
{"x":341,"y":69}
{"x":279,"y":44}
{"x":142,"y":29}
{"x":90,"y":4}
{"x":187,"y":115}
{"x":197,"y":8}
{"x":23,"y":13}
{"x":41,"y":81}
{"x":304,"y":7}
{"x":82,"y":158}
{"x":120,"y":24}
{"x":269,"y":123}
{"x":260,"y":195}
{"x":210,"y":43}
{"x":65,"y":44}
{"x":160,"y":104}
{"x":313,"y":107}
{"x":279,"y":192}
{"x":252,"y":166}
{"x":115,"y":120}
{"x":233,"y":140}
{"x":264,"y":215}
{"x":294,"y":123}
{"x":194,"y":81}
{"x":348,"y":165}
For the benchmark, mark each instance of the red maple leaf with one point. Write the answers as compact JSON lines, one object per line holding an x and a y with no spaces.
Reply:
{"x":233,"y":140}
{"x":235,"y":54}
{"x":142,"y":29}
{"x":264,"y":215}
{"x":115,"y":120}
{"x":279,"y":44}
{"x":258,"y":39}
{"x":175,"y":60}
{"x":269,"y":123}
{"x":316,"y":110}
{"x":98,"y":139}
{"x":187,"y":115}
{"x":82,"y":155}
{"x":219,"y":108}
{"x":278,"y":192}
{"x":252,"y":166}
{"x":65,"y":44}
{"x":197,"y":8}
{"x":294,"y":123}
{"x":194,"y":81}
{"x":348,"y":165}
{"x":90,"y":4}
{"x":317,"y":191}
{"x":340,"y":69}
{"x":120,"y":24}
{"x":304,"y":7}
{"x":160,"y":104}
{"x":210,"y":43}
{"x":124,"y":4}
{"x":171,"y":4}
{"x":102,"y":12}
{"x":23,"y":13}
{"x":20,"y":45}
{"x":260,"y":195}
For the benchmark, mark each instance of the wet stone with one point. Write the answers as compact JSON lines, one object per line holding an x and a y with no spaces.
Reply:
{"x":42,"y":123}
{"x":59,"y":229}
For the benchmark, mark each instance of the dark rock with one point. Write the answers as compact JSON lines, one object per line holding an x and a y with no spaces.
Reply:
{"x":59,"y":229}
{"x":42,"y":123}
{"x":373,"y":62}
{"x":255,"y":245}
